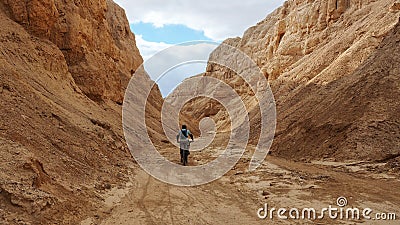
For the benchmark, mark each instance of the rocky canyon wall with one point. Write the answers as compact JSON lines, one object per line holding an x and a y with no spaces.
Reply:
{"x":64,"y":66}
{"x":318,"y":57}
{"x":93,"y":36}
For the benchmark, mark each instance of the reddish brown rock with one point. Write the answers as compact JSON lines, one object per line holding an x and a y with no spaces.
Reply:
{"x":95,"y":39}
{"x":56,"y":144}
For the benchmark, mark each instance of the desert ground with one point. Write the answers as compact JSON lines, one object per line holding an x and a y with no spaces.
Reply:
{"x":236,"y":197}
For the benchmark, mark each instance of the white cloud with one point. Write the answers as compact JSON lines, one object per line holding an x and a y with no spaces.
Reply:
{"x":218,"y":19}
{"x":178,"y":55}
{"x":148,"y":49}
{"x":174,"y":77}
{"x":172,"y":65}
{"x":173,"y":62}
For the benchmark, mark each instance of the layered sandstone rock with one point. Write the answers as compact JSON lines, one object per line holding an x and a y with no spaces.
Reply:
{"x":314,"y":53}
{"x":94,"y":38}
{"x":59,"y":149}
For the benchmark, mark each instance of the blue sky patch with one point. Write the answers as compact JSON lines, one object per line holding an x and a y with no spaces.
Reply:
{"x":170,"y":34}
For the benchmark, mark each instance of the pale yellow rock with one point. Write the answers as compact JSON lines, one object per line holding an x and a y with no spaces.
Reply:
{"x":307,"y":49}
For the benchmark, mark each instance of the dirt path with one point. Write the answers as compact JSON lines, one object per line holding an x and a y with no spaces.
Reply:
{"x":152,"y":202}
{"x":236,"y":197}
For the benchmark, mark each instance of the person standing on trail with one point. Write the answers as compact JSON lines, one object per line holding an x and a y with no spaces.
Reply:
{"x":184,"y":143}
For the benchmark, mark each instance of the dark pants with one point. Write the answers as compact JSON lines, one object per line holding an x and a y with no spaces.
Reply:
{"x":184,"y":156}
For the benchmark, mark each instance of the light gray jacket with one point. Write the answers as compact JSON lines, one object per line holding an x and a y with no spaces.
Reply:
{"x":184,"y":142}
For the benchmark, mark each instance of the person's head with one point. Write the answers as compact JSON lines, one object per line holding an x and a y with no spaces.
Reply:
{"x":184,"y":127}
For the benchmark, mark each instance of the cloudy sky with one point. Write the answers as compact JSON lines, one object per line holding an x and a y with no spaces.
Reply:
{"x":159,"y":24}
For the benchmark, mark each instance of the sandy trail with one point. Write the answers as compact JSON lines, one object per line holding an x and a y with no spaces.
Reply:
{"x":236,"y":197}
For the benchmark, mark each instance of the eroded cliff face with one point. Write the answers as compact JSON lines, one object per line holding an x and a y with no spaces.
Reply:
{"x":59,"y":149}
{"x":94,"y":37}
{"x":313,"y":53}
{"x":304,"y":39}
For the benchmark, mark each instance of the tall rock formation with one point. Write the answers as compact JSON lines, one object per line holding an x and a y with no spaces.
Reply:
{"x":334,"y":97}
{"x":94,"y":38}
{"x":64,"y":66}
